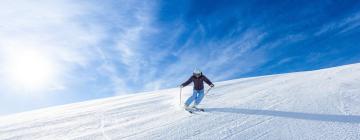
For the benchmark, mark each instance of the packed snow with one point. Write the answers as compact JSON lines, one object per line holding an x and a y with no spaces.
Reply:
{"x":322,"y":104}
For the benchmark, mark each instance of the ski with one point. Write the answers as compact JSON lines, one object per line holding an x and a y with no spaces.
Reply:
{"x":192,"y":110}
{"x":189,"y":110}
{"x":199,"y":109}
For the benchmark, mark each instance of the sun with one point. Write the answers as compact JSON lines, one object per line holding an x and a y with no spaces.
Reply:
{"x":29,"y":68}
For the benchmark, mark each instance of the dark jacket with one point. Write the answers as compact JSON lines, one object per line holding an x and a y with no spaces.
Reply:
{"x":198,"y":82}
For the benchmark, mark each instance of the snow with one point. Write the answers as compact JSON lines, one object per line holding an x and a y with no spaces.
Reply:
{"x":322,"y":104}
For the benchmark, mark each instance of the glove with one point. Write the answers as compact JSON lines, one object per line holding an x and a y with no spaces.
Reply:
{"x":212,"y":85}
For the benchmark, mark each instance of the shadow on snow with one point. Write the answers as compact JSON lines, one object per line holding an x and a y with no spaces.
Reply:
{"x":295,"y":115}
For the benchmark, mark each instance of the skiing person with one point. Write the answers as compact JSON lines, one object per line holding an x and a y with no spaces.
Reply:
{"x":198,"y":93}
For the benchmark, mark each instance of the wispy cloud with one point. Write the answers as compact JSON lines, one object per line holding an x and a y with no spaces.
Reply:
{"x":229,"y":56}
{"x":75,"y":36}
{"x":51,"y":27}
{"x":347,"y":24}
{"x":80,"y":38}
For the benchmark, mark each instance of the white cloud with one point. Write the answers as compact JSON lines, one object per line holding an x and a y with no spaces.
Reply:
{"x":77,"y":36}
{"x":46,"y":26}
{"x":342,"y":26}
{"x":73,"y":32}
{"x":219,"y":59}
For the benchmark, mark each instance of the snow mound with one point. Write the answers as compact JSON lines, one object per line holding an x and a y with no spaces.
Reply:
{"x":322,"y":104}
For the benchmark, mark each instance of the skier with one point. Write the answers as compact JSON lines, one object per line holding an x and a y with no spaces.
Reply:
{"x":198,"y":94}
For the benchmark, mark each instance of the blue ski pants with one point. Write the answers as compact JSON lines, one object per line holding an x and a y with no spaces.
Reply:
{"x":197,"y":95}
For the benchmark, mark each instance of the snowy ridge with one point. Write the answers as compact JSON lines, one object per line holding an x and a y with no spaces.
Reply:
{"x":322,"y":104}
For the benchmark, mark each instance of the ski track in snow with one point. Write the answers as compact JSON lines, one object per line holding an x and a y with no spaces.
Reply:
{"x":322,"y":104}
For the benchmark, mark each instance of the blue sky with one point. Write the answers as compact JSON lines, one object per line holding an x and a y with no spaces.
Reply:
{"x":93,"y":49}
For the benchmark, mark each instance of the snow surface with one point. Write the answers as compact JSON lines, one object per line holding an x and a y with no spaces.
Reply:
{"x":323,"y":104}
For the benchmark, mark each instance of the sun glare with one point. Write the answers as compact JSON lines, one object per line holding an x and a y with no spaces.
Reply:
{"x":30,"y":69}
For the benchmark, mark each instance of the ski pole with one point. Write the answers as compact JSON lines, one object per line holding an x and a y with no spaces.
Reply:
{"x":208,"y":91}
{"x":180,"y":96}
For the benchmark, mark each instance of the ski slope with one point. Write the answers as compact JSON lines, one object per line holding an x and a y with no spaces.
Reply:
{"x":322,"y":104}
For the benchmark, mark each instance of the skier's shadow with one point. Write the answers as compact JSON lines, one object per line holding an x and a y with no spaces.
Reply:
{"x":294,"y":115}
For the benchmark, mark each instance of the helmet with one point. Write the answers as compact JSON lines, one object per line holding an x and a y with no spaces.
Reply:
{"x":197,"y":73}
